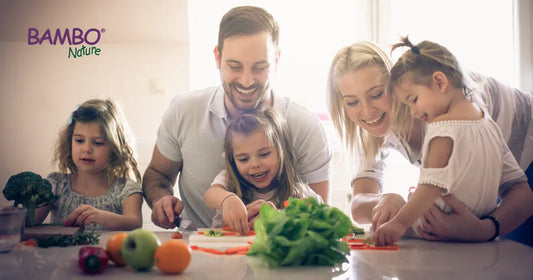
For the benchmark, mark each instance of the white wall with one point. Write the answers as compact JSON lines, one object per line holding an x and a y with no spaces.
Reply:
{"x":143,"y":63}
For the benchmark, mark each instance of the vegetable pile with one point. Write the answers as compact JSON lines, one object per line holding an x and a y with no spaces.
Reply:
{"x":304,"y":233}
{"x":31,"y":191}
{"x":84,"y":238}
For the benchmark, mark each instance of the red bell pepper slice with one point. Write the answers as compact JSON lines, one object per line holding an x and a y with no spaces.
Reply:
{"x":92,"y":259}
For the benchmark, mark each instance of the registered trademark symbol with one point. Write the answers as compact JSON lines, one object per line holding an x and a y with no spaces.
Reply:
{"x":102,"y":30}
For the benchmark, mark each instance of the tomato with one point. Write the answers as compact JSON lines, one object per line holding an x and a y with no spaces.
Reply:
{"x":177,"y":235}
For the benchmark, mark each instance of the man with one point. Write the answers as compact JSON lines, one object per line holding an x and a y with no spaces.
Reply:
{"x":191,"y":135}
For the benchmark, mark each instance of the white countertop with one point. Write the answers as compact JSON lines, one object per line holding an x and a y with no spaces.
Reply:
{"x":416,"y":259}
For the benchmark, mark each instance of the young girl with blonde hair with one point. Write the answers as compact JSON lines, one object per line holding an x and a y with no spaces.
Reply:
{"x":259,"y":169}
{"x":96,"y":165}
{"x":464,"y":152}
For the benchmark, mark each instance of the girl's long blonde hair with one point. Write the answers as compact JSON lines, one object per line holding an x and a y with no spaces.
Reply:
{"x":359,"y":143}
{"x":287,"y":182}
{"x":116,"y":130}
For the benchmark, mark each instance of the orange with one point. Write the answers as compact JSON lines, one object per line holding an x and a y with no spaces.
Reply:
{"x":114,"y":245}
{"x":173,"y":256}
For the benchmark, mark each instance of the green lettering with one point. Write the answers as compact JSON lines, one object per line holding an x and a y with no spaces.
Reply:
{"x":75,"y":52}
{"x":71,"y":52}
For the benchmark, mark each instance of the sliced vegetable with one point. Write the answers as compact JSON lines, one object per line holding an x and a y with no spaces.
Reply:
{"x":238,"y":249}
{"x":226,"y":227}
{"x":213,"y":233}
{"x":227,"y":231}
{"x":30,"y":243}
{"x":367,"y":244}
{"x":207,"y":250}
{"x":177,"y":235}
{"x":357,"y":230}
{"x":92,"y":259}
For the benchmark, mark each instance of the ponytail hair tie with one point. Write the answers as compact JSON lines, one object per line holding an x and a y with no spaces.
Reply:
{"x":415,"y":50}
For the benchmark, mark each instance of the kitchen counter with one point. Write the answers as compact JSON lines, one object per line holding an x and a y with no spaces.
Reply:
{"x":416,"y":259}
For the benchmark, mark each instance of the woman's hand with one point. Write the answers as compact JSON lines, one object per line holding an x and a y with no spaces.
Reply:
{"x":253,"y":211}
{"x":235,"y":215}
{"x":386,"y":208}
{"x":84,"y":215}
{"x":460,"y":224}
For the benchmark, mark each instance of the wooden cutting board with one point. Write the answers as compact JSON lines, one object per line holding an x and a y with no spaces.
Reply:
{"x":49,"y":230}
{"x":224,"y":241}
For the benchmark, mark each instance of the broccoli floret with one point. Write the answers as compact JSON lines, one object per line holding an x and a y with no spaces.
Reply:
{"x":31,"y":191}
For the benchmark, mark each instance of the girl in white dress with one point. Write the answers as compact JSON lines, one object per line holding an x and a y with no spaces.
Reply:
{"x":464,"y":152}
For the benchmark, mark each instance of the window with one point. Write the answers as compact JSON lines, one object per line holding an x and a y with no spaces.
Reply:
{"x":478,"y":32}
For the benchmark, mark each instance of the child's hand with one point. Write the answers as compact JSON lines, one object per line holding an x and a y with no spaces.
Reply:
{"x":253,"y":211}
{"x":389,"y":233}
{"x":83,"y":215}
{"x":235,"y":215}
{"x":386,"y":209}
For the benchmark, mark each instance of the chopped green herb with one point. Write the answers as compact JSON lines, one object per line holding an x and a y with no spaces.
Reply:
{"x":357,"y":230}
{"x":85,"y":238}
{"x":369,"y":241}
{"x":214,"y":233}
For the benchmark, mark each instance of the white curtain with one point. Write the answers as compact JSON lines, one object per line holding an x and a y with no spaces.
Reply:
{"x":524,"y":41}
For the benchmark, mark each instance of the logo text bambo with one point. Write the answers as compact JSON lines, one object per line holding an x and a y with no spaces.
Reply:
{"x":74,"y":36}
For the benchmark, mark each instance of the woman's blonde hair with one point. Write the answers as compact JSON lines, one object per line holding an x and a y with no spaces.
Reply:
{"x":116,"y":130}
{"x":287,"y":183}
{"x":357,"y":140}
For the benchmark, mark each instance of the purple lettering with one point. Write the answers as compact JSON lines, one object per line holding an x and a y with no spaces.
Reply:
{"x":66,"y":36}
{"x":46,"y":36}
{"x":74,"y":36}
{"x":97,"y":36}
{"x":33,"y":36}
{"x":77,"y":34}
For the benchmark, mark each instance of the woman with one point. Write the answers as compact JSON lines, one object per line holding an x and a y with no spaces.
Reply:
{"x":361,"y":111}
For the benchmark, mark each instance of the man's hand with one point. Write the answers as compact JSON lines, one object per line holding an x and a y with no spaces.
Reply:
{"x":165,"y":209}
{"x":253,"y":211}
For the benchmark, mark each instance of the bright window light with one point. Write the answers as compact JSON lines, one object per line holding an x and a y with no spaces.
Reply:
{"x":478,"y":32}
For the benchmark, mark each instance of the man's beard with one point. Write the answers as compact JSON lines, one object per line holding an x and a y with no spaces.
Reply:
{"x":260,"y":91}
